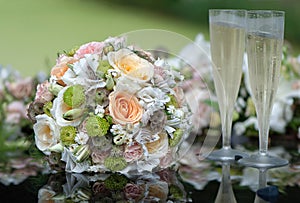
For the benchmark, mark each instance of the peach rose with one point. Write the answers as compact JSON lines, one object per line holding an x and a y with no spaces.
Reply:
{"x":131,"y":65}
{"x":61,"y":68}
{"x":124,"y":108}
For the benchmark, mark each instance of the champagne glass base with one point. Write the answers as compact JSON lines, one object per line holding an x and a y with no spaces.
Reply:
{"x":226,"y":154}
{"x":263,"y":161}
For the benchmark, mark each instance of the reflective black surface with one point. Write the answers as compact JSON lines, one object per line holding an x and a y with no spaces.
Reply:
{"x":204,"y":181}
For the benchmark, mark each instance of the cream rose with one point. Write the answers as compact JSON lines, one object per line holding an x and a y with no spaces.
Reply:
{"x":131,"y":65}
{"x":46,"y":133}
{"x":125,"y":108}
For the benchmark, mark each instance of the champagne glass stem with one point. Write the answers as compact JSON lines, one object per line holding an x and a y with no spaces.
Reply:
{"x":264,"y":126}
{"x":226,"y":129}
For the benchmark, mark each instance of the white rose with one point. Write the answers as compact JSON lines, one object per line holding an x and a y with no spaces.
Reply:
{"x":46,"y":133}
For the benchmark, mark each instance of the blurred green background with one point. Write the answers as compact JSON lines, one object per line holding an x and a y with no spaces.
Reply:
{"x":34,"y":31}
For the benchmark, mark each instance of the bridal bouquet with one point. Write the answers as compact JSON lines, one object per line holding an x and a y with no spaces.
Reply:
{"x":111,"y":107}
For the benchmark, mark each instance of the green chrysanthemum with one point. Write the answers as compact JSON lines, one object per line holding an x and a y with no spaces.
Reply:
{"x":115,"y":182}
{"x":115,"y":163}
{"x":176,"y":192}
{"x":173,"y":101}
{"x":177,"y":135}
{"x":47,"y":107}
{"x":96,"y":126}
{"x":74,"y":96}
{"x":67,"y":135}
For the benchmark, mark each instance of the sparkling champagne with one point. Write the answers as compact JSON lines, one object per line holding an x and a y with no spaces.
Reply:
{"x":227,"y":49}
{"x":264,"y":58}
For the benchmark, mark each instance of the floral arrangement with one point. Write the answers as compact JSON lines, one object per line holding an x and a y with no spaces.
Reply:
{"x":163,"y":186}
{"x":111,"y":107}
{"x":16,"y":92}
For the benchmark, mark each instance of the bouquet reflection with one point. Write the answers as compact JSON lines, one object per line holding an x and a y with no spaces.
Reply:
{"x":162,"y":186}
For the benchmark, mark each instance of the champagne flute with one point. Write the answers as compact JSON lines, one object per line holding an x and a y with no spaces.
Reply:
{"x":265,"y":30}
{"x":227,"y":38}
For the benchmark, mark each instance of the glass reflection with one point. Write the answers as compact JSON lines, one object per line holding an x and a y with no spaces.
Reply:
{"x":225,"y":192}
{"x":264,"y":192}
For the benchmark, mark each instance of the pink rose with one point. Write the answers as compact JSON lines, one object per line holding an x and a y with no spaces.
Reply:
{"x":98,"y":156}
{"x":133,"y":152}
{"x":133,"y":192}
{"x":21,"y":89}
{"x":124,"y":108}
{"x":15,"y":111}
{"x":89,"y":48}
{"x":43,"y":95}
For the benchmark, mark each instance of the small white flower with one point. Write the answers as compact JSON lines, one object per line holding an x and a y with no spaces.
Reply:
{"x":99,"y":110}
{"x":171,"y":109}
{"x":117,"y":130}
{"x":81,"y":138}
{"x":178,"y":113}
{"x":114,"y":73}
